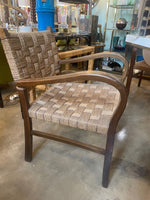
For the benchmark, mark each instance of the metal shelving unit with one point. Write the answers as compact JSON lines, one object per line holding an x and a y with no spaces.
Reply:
{"x":117,"y":8}
{"x":115,"y":29}
{"x":122,"y":6}
{"x":113,"y":13}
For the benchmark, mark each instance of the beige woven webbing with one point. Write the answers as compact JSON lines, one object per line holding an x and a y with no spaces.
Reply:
{"x":85,"y":106}
{"x":31,"y":55}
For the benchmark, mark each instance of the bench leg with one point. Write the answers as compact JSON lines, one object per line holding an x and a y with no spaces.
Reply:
{"x":1,"y":100}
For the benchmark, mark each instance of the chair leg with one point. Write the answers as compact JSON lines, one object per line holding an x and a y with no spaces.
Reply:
{"x":24,"y":100}
{"x":28,"y":139}
{"x":140,"y":78}
{"x":107,"y":159}
{"x":21,"y":110}
{"x":1,"y":100}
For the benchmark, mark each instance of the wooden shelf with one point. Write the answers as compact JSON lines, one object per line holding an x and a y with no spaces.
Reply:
{"x":115,"y":29}
{"x":122,"y":6}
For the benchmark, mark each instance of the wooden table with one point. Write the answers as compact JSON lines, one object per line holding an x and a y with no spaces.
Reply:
{"x":136,"y":42}
{"x":83,"y":50}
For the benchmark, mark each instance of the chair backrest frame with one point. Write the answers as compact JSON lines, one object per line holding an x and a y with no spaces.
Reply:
{"x":31,"y":55}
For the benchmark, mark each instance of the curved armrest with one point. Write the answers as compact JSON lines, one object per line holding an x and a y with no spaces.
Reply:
{"x":78,"y":76}
{"x":101,"y":55}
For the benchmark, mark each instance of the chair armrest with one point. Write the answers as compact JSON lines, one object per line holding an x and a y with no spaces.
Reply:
{"x":77,"y":52}
{"x":78,"y":76}
{"x":101,"y":55}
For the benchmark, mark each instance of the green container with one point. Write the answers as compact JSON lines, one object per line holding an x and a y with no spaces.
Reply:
{"x":114,"y":2}
{"x":132,"y":2}
{"x":5,"y":74}
{"x":129,"y":2}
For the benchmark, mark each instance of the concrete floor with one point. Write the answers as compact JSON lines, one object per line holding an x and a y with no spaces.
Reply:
{"x":62,"y":172}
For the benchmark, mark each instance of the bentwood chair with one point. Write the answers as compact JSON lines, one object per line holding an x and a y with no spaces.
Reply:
{"x":34,"y":60}
{"x":143,"y":67}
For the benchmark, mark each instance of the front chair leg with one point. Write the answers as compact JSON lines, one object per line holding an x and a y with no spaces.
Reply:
{"x":28,"y":139}
{"x":24,"y":101}
{"x":107,"y":159}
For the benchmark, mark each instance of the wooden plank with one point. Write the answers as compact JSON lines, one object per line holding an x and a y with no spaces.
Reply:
{"x":69,"y":54}
{"x":69,"y":141}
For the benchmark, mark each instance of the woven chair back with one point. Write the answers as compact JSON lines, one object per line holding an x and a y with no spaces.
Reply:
{"x":31,"y":55}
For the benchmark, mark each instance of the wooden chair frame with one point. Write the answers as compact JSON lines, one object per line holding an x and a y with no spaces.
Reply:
{"x":143,"y":67}
{"x":23,"y":88}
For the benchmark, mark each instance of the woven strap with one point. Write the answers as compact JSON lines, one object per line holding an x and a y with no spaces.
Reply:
{"x":85,"y":106}
{"x":142,"y":65}
{"x":31,"y":55}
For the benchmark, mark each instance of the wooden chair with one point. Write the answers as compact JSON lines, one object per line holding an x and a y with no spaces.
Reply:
{"x":34,"y":60}
{"x":143,"y":67}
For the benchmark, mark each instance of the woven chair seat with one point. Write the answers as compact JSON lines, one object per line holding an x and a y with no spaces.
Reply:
{"x":85,"y":106}
{"x":142,"y":65}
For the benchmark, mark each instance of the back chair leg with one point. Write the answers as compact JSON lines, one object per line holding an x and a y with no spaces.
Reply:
{"x":1,"y":100}
{"x":107,"y":159}
{"x":140,"y":78}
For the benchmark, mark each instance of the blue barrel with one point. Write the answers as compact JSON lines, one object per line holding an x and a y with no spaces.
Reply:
{"x":45,"y":12}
